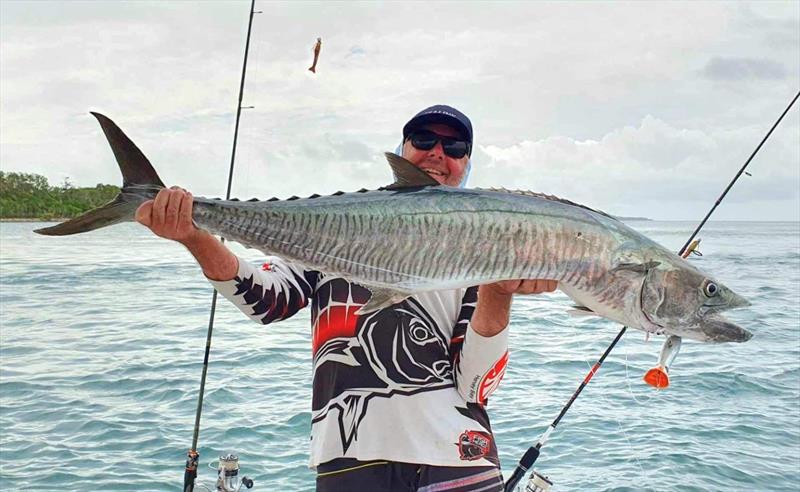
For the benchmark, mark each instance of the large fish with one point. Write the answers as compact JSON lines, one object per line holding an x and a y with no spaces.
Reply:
{"x":416,"y":235}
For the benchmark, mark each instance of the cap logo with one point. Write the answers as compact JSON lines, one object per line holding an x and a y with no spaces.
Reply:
{"x":439,"y":111}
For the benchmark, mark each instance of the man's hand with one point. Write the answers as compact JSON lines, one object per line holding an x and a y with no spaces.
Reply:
{"x":494,"y":302}
{"x":169,"y":215}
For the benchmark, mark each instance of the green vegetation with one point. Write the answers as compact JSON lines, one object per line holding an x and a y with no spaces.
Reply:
{"x":30,"y":196}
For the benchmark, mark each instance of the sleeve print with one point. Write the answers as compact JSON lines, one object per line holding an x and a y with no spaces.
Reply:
{"x":273,"y":292}
{"x":479,"y":362}
{"x":460,"y":330}
{"x":491,"y":379}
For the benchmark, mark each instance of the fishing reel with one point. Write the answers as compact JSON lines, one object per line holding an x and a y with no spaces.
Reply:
{"x":228,"y":475}
{"x":538,"y":483}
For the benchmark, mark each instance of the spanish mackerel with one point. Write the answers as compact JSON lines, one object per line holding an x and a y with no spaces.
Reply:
{"x":416,"y":235}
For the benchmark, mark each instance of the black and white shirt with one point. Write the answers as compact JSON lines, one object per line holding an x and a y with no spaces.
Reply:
{"x":408,"y":383}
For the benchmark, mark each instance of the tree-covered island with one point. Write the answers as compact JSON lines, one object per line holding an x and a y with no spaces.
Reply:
{"x":30,"y":196}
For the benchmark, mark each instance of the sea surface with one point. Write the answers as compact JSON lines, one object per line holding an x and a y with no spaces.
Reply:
{"x":102,"y":338}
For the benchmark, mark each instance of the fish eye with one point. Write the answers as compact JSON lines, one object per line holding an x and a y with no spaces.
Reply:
{"x":710,"y":289}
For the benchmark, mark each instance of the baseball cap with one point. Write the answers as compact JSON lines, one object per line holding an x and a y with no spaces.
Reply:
{"x":440,"y":113}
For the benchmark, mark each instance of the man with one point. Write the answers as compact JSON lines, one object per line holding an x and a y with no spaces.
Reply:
{"x":399,"y":394}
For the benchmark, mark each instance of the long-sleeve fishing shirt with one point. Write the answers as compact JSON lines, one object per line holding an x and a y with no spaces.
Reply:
{"x":408,"y":383}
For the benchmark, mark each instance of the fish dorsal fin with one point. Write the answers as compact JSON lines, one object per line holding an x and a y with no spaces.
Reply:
{"x":551,"y":198}
{"x":407,"y":175}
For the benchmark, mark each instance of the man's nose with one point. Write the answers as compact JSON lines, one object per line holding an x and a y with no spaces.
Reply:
{"x":437,"y":150}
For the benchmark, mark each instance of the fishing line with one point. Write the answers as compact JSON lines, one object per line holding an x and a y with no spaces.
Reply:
{"x":651,"y":395}
{"x":255,"y":75}
{"x":624,"y":433}
{"x":532,"y":454}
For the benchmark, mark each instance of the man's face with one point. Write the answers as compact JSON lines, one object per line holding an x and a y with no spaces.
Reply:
{"x":441,"y":167}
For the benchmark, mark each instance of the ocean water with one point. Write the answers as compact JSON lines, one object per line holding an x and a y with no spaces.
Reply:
{"x":102,"y":339}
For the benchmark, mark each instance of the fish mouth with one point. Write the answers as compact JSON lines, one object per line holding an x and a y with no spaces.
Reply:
{"x":737,"y":301}
{"x":718,"y":329}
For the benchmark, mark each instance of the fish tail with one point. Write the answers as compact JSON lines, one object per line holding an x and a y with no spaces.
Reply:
{"x":140,"y":183}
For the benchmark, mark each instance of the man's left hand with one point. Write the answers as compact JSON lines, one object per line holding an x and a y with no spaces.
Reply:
{"x":494,"y":302}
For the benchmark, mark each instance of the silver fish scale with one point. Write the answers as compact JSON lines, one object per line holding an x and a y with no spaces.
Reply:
{"x":425,"y":239}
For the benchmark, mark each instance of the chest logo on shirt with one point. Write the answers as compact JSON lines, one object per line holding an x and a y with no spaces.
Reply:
{"x":474,"y":445}
{"x":395,"y":351}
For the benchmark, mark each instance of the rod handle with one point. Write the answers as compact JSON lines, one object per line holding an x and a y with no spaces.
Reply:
{"x":525,"y":464}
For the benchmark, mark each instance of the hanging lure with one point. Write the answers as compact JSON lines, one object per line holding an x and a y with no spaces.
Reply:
{"x":658,"y":377}
{"x":692,"y":249}
{"x":317,"y":48}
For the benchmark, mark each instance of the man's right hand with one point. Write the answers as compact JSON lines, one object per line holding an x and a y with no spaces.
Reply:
{"x":169,"y":215}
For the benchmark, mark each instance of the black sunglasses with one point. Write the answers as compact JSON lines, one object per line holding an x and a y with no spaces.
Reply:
{"x":453,"y":147}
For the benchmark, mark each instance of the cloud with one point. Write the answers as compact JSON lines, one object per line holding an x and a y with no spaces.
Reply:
{"x":357,"y":51}
{"x":636,"y":168}
{"x":619,"y":105}
{"x":721,"y":68}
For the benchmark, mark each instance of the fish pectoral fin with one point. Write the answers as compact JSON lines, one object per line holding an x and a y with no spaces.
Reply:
{"x":578,"y":310}
{"x":382,"y":298}
{"x":406,"y":174}
{"x":641,"y":268}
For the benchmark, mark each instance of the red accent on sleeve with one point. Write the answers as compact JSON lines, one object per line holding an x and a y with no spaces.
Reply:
{"x":492,"y":379}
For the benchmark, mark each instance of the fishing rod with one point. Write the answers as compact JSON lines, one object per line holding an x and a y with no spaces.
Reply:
{"x":228,"y":465}
{"x":540,"y":483}
{"x":741,"y":171}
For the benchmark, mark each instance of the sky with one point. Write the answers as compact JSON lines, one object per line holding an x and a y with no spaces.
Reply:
{"x":634,"y":108}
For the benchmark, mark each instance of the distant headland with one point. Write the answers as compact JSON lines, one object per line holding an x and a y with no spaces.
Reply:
{"x":630,"y":219}
{"x":29,"y":197}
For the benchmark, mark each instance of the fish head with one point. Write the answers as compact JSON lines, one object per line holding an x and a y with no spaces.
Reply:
{"x":679,"y":299}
